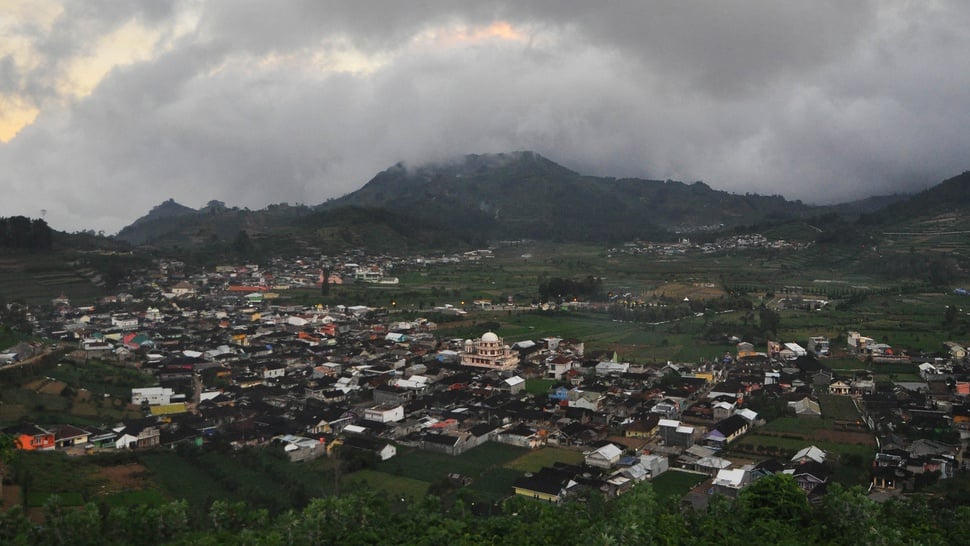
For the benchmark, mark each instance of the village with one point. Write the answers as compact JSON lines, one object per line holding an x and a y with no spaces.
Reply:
{"x":230,"y":364}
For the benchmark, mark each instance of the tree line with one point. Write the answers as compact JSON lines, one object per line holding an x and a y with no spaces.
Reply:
{"x":21,"y":232}
{"x":560,"y":289}
{"x":773,"y":510}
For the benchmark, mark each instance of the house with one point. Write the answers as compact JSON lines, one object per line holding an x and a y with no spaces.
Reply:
{"x":548,"y":484}
{"x":31,"y":437}
{"x":68,"y":435}
{"x":722,"y":410}
{"x":674,"y":434}
{"x":138,"y":436}
{"x":557,"y":366}
{"x":655,"y":465}
{"x":153,"y":396}
{"x":642,"y":428}
{"x":729,"y":481}
{"x":380,"y":449}
{"x":726,"y":431}
{"x":809,"y":476}
{"x":711,"y":465}
{"x":590,"y":400}
{"x":608,"y":368}
{"x":385,"y":413}
{"x":840,"y":387}
{"x":299,"y":448}
{"x":522,"y":436}
{"x":806,"y":407}
{"x":955,"y":350}
{"x":604,"y":457}
{"x":183,"y":288}
{"x":515,"y":384}
{"x":809,"y":454}
{"x":450,"y":444}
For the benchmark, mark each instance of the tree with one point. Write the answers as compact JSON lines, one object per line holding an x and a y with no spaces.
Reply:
{"x":772,"y":510}
{"x":847,"y":516}
{"x":325,"y":283}
{"x":243,"y":245}
{"x":769,"y":321}
{"x":950,"y":315}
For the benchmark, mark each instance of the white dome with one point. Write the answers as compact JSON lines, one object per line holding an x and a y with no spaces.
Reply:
{"x":489,"y":337}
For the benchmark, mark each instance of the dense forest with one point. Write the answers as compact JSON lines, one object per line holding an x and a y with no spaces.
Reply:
{"x":773,"y":510}
{"x":21,"y":232}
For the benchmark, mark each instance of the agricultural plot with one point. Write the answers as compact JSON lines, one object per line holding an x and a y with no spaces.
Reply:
{"x":534,"y":460}
{"x":50,"y":473}
{"x":102,"y":378}
{"x":493,"y":467}
{"x":777,"y":446}
{"x":36,"y":278}
{"x":183,"y":480}
{"x":675,"y":483}
{"x":838,"y":407}
{"x":495,"y":484}
{"x":535,"y":385}
{"x":632,"y":341}
{"x":395,"y":486}
{"x":430,"y":467}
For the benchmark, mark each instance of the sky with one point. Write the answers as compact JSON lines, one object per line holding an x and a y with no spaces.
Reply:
{"x":109,"y":107}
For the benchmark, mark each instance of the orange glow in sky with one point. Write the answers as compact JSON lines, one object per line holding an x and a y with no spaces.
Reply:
{"x":130,"y":43}
{"x":499,"y":30}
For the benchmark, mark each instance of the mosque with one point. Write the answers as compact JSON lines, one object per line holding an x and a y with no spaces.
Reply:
{"x":489,"y":352}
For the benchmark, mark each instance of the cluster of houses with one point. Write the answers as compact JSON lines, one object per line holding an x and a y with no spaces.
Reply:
{"x":724,"y":244}
{"x":234,"y":368}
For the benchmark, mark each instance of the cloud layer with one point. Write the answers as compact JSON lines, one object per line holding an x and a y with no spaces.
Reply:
{"x":119,"y":105}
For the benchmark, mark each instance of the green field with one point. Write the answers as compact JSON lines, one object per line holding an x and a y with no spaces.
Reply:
{"x":676,"y":483}
{"x":181,"y":479}
{"x":495,"y":484}
{"x":430,"y":467}
{"x":535,"y":385}
{"x":102,"y":378}
{"x":535,"y":460}
{"x":632,"y":341}
{"x":791,"y":445}
{"x":36,"y":278}
{"x":838,"y":407}
{"x":149,"y":497}
{"x":493,"y":467}
{"x":395,"y":486}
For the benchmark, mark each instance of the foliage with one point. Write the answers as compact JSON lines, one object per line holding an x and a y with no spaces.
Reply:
{"x":21,"y":232}
{"x":559,"y":289}
{"x":773,"y":510}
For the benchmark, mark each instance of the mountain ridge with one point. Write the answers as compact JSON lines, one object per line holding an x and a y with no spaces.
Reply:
{"x":477,"y":198}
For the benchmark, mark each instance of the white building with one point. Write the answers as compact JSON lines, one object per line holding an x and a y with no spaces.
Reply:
{"x":489,"y":352}
{"x":385,"y":413}
{"x":154,"y":396}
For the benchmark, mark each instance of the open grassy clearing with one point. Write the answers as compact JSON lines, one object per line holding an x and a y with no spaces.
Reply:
{"x":36,"y":278}
{"x":795,"y":425}
{"x":75,"y":480}
{"x":182,"y":480}
{"x":838,"y":407}
{"x":790,"y":446}
{"x":495,"y":484}
{"x":430,"y":467}
{"x":632,"y":341}
{"x":394,"y":486}
{"x":547,"y":456}
{"x":102,"y":378}
{"x":676,"y":483}
{"x":535,"y":385}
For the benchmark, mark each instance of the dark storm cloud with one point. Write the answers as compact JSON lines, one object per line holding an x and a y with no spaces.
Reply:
{"x":820,"y":101}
